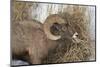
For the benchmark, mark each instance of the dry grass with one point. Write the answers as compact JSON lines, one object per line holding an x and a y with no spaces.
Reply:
{"x":20,"y":10}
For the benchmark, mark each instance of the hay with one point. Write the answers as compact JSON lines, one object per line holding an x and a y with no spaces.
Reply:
{"x":20,"y":10}
{"x":77,"y":52}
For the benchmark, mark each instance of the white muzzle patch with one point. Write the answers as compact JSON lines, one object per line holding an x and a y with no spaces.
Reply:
{"x":75,"y":38}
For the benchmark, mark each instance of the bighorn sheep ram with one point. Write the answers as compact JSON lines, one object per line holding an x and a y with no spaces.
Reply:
{"x":32,"y":40}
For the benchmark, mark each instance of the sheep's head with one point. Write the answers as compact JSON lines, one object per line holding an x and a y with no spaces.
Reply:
{"x":55,"y":27}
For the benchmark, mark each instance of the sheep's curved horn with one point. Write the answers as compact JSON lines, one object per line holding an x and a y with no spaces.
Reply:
{"x":55,"y":18}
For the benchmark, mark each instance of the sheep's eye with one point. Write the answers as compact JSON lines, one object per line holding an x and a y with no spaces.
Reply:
{"x":64,"y":28}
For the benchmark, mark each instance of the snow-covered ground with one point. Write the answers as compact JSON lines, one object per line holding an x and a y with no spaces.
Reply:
{"x":19,"y":62}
